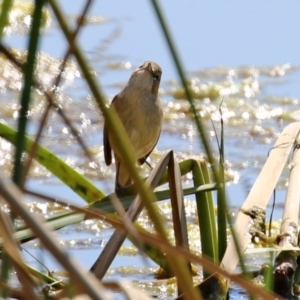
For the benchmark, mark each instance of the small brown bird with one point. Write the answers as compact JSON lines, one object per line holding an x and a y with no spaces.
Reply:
{"x":141,"y":114}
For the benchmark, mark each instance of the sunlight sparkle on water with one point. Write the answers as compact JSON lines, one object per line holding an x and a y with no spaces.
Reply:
{"x":280,"y":70}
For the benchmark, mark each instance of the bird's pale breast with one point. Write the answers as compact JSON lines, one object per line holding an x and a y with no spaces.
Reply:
{"x":142,"y":121}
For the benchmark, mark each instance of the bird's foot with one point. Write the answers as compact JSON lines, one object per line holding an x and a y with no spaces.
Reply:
{"x":119,"y":190}
{"x":148,"y":164}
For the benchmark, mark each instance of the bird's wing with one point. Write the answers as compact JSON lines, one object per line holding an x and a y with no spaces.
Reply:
{"x":143,"y":159}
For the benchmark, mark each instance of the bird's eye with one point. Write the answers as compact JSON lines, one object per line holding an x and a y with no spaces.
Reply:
{"x":141,"y":66}
{"x":156,"y":77}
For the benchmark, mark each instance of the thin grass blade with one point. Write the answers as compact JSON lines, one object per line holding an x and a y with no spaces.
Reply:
{"x":288,"y":260}
{"x":77,"y":182}
{"x":86,"y":281}
{"x":108,"y":254}
{"x":6,"y":6}
{"x":29,"y":68}
{"x":206,"y":215}
{"x":260,"y":194}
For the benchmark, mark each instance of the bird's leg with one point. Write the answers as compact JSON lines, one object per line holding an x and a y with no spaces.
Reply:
{"x":119,"y":190}
{"x":144,"y":160}
{"x":148,"y":164}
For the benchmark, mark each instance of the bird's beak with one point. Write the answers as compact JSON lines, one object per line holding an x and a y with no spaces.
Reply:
{"x":149,"y":68}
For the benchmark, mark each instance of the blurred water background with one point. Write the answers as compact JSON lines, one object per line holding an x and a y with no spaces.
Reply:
{"x":243,"y":54}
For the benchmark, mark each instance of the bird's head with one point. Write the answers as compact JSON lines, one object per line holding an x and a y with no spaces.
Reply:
{"x":147,"y":77}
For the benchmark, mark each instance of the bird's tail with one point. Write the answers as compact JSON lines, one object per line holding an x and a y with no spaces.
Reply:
{"x":123,"y":177}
